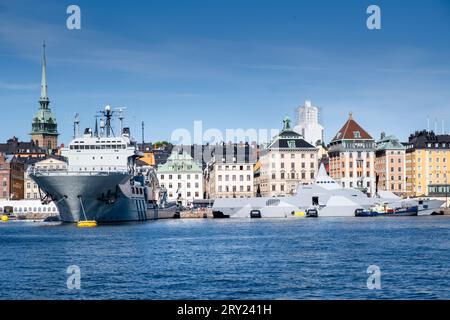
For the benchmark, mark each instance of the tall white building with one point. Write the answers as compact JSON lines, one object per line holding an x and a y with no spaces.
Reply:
{"x":308,"y":123}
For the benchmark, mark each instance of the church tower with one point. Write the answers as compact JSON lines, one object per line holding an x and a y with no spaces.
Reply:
{"x":44,"y":131}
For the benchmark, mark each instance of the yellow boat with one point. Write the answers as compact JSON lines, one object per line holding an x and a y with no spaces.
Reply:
{"x":87,"y":224}
{"x":299,"y":213}
{"x":5,"y":218}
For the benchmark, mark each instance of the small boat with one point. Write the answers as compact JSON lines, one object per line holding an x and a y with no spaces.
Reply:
{"x":298,"y":214}
{"x":255,"y":214}
{"x":375,"y":211}
{"x":367,"y":213}
{"x":404,"y":212}
{"x":52,"y":219}
{"x":312,"y":213}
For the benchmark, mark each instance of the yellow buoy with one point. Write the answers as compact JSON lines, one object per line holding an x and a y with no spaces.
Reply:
{"x":87,"y":224}
{"x":5,"y":218}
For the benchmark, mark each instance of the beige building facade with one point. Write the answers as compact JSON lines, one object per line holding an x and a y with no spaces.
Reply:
{"x":352,"y":157}
{"x":390,"y":165}
{"x":285,"y":163}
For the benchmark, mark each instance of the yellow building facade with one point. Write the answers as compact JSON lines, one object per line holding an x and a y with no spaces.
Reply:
{"x":427,"y":157}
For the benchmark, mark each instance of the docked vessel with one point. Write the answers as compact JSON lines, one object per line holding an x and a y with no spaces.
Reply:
{"x":325,"y":196}
{"x":102,"y":182}
{"x":385,"y":210}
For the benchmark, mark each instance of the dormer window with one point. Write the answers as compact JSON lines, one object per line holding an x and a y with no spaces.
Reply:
{"x":357,"y":134}
{"x":291,"y":144}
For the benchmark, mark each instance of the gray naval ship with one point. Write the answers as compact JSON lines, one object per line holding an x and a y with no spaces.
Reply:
{"x":324,"y":198}
{"x":102,"y":182}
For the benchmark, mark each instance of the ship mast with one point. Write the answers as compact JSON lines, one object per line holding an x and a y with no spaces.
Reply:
{"x":76,"y":125}
{"x":108,"y":114}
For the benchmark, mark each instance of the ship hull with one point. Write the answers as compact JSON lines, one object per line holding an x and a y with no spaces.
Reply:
{"x":102,"y":198}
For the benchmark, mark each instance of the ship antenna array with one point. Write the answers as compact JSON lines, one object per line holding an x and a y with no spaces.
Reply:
{"x":76,"y":125}
{"x":108,"y":115}
{"x":120,"y":116}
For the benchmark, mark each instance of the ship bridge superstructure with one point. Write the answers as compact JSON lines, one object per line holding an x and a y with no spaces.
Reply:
{"x":102,"y":151}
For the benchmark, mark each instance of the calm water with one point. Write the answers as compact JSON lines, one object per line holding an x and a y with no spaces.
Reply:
{"x":229,"y":259}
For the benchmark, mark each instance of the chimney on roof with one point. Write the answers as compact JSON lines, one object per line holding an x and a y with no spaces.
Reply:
{"x":383,"y":135}
{"x":350,"y":116}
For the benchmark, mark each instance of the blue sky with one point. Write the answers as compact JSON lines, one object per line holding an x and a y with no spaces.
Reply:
{"x":231,"y":64}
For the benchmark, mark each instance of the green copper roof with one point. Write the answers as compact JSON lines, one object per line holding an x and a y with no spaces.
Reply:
{"x":44,"y":122}
{"x":180,"y":162}
{"x":389,"y":143}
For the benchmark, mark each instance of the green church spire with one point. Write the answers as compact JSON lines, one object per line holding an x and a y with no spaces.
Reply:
{"x":44,"y":122}
{"x":44,"y":96}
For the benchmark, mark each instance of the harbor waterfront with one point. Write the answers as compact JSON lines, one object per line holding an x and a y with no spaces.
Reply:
{"x":224,"y":153}
{"x":229,"y":259}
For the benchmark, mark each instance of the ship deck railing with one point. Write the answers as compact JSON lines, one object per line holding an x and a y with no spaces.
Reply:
{"x":56,"y":172}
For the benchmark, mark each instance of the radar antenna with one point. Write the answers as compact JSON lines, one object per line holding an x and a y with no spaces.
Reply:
{"x":108,"y":114}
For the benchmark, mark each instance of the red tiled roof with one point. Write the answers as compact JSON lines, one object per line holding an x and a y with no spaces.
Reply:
{"x":352,"y":131}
